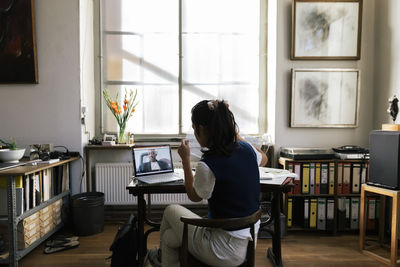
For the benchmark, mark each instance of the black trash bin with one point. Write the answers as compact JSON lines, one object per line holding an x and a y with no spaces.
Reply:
{"x":88,"y":213}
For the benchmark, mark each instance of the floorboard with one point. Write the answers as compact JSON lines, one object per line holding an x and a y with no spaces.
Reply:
{"x":299,"y":249}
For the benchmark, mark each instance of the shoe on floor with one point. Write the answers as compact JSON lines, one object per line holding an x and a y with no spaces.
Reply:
{"x":155,"y":257}
{"x":58,"y":248}
{"x":61,"y":240}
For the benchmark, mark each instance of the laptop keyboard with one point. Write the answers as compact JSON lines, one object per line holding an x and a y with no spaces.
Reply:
{"x":161,"y":178}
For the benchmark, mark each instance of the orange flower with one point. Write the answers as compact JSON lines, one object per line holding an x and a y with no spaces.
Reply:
{"x":113,"y":104}
{"x":133,"y":110}
{"x":125,"y":107}
{"x":126,"y":101}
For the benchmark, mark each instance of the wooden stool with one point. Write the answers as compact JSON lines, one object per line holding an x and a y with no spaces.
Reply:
{"x":394,"y":194}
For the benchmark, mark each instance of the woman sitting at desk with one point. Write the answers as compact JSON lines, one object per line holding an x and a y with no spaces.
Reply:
{"x":227,"y":176}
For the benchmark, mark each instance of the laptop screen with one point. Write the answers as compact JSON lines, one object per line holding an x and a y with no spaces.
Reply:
{"x":152,"y":159}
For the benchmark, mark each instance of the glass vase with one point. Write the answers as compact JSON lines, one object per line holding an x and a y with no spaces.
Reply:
{"x":122,"y":137}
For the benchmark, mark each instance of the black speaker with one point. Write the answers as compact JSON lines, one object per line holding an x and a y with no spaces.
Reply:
{"x":384,"y":149}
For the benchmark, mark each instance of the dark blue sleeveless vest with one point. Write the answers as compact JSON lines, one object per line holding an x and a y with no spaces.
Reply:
{"x":237,"y":183}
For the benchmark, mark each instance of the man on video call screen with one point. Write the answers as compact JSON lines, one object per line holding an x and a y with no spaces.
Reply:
{"x":154,"y":159}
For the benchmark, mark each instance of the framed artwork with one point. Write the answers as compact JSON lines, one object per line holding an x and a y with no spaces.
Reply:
{"x":325,"y":98}
{"x":18,"y":61}
{"x":328,"y":30}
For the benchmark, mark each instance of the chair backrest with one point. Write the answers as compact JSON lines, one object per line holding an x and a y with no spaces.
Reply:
{"x":229,"y":224}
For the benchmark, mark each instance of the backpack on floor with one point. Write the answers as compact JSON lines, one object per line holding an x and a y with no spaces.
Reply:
{"x":124,"y":247}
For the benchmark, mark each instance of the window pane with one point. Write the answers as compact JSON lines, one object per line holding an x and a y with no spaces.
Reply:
{"x":122,"y":57}
{"x":156,"y":112}
{"x":200,"y":58}
{"x":221,"y":58}
{"x":239,"y":16}
{"x":141,"y":16}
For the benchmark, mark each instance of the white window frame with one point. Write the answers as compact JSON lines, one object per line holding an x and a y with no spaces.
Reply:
{"x":99,"y":77}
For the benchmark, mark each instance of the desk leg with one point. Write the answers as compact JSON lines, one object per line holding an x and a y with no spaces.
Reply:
{"x":142,"y":250}
{"x":12,"y":222}
{"x":274,"y":254}
{"x":362,"y":218}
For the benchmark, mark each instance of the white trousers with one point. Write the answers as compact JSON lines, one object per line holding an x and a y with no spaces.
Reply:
{"x":214,"y":247}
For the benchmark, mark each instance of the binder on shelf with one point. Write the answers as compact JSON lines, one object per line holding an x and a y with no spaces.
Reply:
{"x":317,"y":178}
{"x":313,"y":213}
{"x":340,"y":178}
{"x":312,"y":178}
{"x":371,"y":209}
{"x":290,"y":168}
{"x":363,"y":178}
{"x":346,"y":178}
{"x":306,"y":213}
{"x":290,"y":212}
{"x":347,"y":205}
{"x":356,"y":178}
{"x":341,"y":215}
{"x":331,"y":180}
{"x":321,"y":214}
{"x":324,"y":178}
{"x":297,"y":181}
{"x":354,"y":213}
{"x":305,"y":188}
{"x":330,"y":211}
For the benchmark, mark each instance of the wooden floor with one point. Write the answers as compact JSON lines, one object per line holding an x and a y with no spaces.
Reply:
{"x":299,"y":249}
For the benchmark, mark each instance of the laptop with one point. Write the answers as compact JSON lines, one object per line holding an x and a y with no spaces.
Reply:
{"x":153,"y":164}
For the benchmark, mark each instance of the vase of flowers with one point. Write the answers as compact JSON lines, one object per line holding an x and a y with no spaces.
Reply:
{"x":121,"y":111}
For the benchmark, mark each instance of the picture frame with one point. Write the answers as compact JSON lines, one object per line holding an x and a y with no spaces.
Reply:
{"x":325,"y":98}
{"x":326,"y":29}
{"x":18,"y":57}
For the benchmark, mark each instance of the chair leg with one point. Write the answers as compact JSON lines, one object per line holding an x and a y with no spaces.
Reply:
{"x":183,"y":254}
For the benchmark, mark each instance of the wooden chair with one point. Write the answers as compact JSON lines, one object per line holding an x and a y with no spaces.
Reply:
{"x":186,"y":259}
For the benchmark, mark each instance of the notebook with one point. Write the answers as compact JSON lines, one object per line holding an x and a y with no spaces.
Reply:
{"x":153,"y":164}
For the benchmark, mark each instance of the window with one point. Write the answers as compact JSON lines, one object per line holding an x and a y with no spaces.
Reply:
{"x":178,"y":52}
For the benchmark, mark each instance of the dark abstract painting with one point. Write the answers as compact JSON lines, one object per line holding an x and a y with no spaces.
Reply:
{"x":18,"y":62}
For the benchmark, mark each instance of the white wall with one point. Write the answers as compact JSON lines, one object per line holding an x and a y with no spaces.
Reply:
{"x":314,"y":137}
{"x":48,"y":112}
{"x":87,"y":67}
{"x":387,"y":58}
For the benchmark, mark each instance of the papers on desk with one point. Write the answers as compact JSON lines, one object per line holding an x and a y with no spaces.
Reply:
{"x":275,"y":176}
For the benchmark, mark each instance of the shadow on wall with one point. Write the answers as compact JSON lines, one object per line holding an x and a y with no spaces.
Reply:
{"x":383,"y":61}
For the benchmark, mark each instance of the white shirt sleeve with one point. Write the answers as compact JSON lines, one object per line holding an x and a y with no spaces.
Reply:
{"x":204,"y":180}
{"x":258,"y":154}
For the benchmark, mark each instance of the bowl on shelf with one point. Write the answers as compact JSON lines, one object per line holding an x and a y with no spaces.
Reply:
{"x":11,"y":156}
